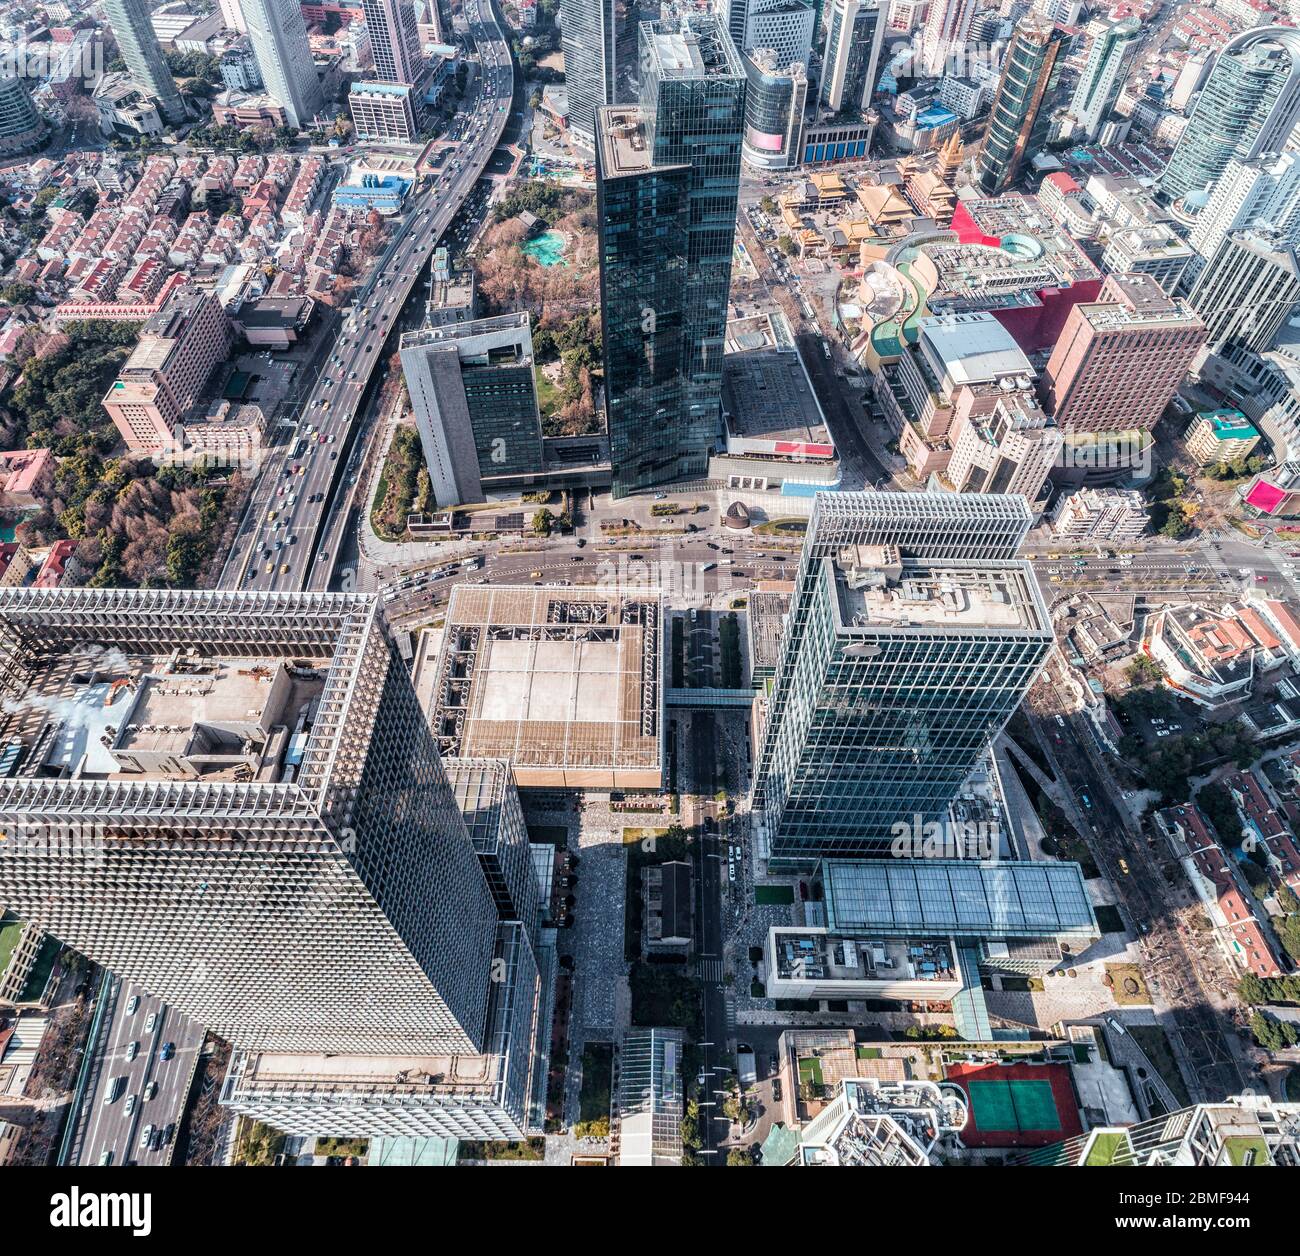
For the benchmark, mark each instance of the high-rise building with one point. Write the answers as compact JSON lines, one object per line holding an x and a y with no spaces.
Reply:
{"x":855,"y":30}
{"x":474,"y":395}
{"x":1110,"y":58}
{"x":1248,"y":107}
{"x":279,"y":37}
{"x":1120,"y":359}
{"x":1264,"y":191}
{"x":734,"y":15}
{"x":1247,"y":291}
{"x":599,"y":41}
{"x":787,"y":27}
{"x":235,"y":800}
{"x":22,"y":129}
{"x":382,"y":112}
{"x":394,"y":40}
{"x":775,"y":101}
{"x":1019,"y":115}
{"x":178,"y":349}
{"x":946,"y":30}
{"x":913,"y":634}
{"x":143,"y":54}
{"x":667,"y":182}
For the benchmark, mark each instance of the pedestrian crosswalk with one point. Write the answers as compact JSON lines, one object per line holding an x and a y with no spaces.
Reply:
{"x":710,"y":970}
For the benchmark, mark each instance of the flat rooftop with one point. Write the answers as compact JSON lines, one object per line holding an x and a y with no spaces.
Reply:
{"x":877,"y":588}
{"x":623,"y":135}
{"x":854,"y":957}
{"x":766,"y":395}
{"x":563,"y":683}
{"x":198,"y":686}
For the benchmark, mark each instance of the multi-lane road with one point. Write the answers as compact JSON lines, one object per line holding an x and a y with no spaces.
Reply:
{"x":135,"y":1092}
{"x":288,"y":538}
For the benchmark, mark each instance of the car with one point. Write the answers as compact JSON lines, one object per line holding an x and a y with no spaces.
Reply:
{"x":1123,"y":866}
{"x":132,"y":1004}
{"x":146,"y":1137}
{"x":105,"y":1157}
{"x":284,"y":569}
{"x":270,"y":567}
{"x":132,"y":1050}
{"x":150,"y":1091}
{"x":168,"y":1050}
{"x":113,"y":1091}
{"x":129,"y":1106}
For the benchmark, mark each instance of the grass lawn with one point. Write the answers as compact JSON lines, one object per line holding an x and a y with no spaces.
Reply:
{"x":597,"y":1078}
{"x":1244,"y":1152}
{"x":41,"y":970}
{"x":868,"y":1053}
{"x":773,"y":895}
{"x":1108,"y":1149}
{"x":10,"y":930}
{"x":1128,"y":985}
{"x":783,"y":527}
{"x":810,"y":1070}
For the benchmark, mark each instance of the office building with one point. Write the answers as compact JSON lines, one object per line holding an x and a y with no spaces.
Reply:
{"x":394,"y":40}
{"x":1006,"y":446}
{"x":1248,"y":107}
{"x":564,"y":684}
{"x":1107,"y":515}
{"x":474,"y":394}
{"x":179,"y":348}
{"x":22,"y":129}
{"x":1119,"y":359}
{"x":944,"y":36}
{"x":1220,"y":436}
{"x":1154,"y":249}
{"x":234,"y":799}
{"x":143,"y":54}
{"x":489,"y":804}
{"x":1020,"y":113}
{"x":787,"y":27}
{"x":775,"y":101}
{"x":667,"y":182}
{"x":913,"y":635}
{"x":1247,"y":291}
{"x":490,"y":1094}
{"x":855,"y":30}
{"x":650,"y":1101}
{"x":1111,"y":53}
{"x":599,"y":42}
{"x":1263,"y":192}
{"x":382,"y":112}
{"x":278,"y":34}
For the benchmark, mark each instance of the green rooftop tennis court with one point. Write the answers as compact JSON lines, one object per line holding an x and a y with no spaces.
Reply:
{"x":1014,"y":1105}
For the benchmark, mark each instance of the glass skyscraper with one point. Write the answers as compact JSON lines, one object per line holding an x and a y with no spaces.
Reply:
{"x":913,"y":634}
{"x":1019,"y":115}
{"x":138,"y":43}
{"x":668,"y":181}
{"x":1248,"y":106}
{"x":235,"y":799}
{"x":475,"y":400}
{"x":599,"y":41}
{"x":278,"y":33}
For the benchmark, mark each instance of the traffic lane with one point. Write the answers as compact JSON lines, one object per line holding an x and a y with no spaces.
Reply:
{"x":114,"y":1129}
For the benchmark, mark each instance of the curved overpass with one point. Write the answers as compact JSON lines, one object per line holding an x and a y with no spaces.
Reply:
{"x":295,"y":550}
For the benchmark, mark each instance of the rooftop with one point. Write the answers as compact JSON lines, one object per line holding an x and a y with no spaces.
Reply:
{"x":564,"y":683}
{"x":942,"y":897}
{"x":972,"y":348}
{"x":878,"y":588}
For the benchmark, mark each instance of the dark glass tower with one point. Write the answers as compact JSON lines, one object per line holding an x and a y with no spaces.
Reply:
{"x":599,"y":39}
{"x":668,"y":179}
{"x":1019,"y":116}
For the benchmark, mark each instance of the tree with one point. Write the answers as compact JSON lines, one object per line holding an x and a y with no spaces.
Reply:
{"x":787,"y":246}
{"x":740,"y":1156}
{"x":768,"y":206}
{"x":17,"y":293}
{"x":1271,"y":1033}
{"x":542,"y":522}
{"x":1143,"y":670}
